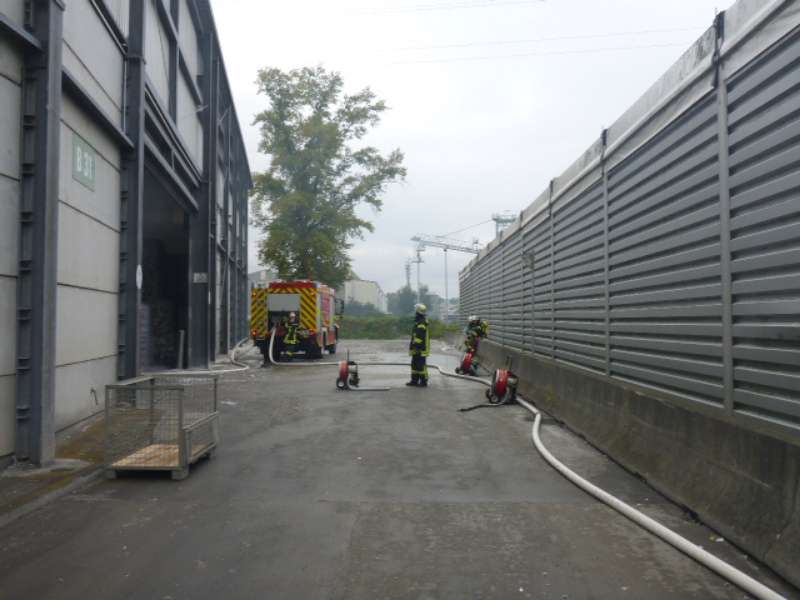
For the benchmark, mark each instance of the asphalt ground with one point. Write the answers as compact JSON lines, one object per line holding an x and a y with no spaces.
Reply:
{"x":316,"y":493}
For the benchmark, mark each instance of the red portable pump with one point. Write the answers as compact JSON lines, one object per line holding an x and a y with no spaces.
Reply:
{"x":468,"y":366}
{"x":348,"y":375}
{"x":504,"y":387}
{"x":348,"y":379}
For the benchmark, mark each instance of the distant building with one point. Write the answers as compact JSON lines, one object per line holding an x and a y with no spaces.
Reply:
{"x":365,"y":292}
{"x":261,"y":278}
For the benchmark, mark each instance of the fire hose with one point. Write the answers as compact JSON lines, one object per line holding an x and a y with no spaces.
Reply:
{"x":702,"y":556}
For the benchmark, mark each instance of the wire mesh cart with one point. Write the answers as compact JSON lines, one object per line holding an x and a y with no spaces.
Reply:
{"x":163,"y":423}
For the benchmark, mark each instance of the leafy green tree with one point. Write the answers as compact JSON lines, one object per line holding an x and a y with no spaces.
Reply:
{"x":306,"y":200}
{"x":401,"y":302}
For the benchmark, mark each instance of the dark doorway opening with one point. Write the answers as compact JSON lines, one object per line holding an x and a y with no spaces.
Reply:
{"x":164,"y":309}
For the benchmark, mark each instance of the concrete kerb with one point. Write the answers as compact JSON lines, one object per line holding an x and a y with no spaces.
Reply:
{"x":743,"y":484}
{"x":91,"y":476}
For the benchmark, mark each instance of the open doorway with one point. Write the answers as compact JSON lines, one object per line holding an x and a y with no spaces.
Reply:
{"x":165,"y":278}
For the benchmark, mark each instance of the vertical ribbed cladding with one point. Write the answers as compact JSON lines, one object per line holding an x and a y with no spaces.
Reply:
{"x":764,"y":137}
{"x":512,"y":289}
{"x":493,"y":278}
{"x":578,"y":276}
{"x":664,"y":260}
{"x":537,"y":238}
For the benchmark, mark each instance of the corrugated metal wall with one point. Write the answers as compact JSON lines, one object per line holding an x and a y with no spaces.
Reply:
{"x":671,"y":258}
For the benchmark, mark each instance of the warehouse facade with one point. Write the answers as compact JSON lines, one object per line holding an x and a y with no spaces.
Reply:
{"x":123,"y":205}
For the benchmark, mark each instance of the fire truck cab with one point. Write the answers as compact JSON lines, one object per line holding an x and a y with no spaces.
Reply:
{"x":316,"y":308}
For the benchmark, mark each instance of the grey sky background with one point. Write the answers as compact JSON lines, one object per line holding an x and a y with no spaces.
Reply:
{"x":489,"y":99}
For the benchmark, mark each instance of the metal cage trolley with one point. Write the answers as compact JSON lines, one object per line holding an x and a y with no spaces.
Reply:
{"x":161,"y":424}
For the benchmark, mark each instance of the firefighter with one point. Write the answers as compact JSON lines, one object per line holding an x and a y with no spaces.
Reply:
{"x":476,"y":330}
{"x":290,"y":339}
{"x":420,"y":347}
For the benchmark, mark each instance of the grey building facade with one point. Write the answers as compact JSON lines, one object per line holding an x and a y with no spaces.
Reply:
{"x":123,"y":205}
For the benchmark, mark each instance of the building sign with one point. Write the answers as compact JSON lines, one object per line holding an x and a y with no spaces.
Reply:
{"x":84,"y":162}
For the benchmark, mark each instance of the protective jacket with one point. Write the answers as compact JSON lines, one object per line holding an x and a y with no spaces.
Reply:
{"x":420,"y":337}
{"x":291,"y":333}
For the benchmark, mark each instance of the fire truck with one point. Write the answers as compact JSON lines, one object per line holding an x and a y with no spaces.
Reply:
{"x":315,"y":305}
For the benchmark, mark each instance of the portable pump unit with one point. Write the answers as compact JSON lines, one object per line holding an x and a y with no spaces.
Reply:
{"x":468,"y":366}
{"x":348,"y":375}
{"x":504,"y":387}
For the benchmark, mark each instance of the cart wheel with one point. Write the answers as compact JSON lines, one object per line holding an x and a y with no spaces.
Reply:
{"x":180,"y":474}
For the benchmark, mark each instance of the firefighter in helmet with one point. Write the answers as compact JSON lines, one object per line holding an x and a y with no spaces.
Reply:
{"x":290,"y":339}
{"x":420,"y":347}
{"x":476,"y":330}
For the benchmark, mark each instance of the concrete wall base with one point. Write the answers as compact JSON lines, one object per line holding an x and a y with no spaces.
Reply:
{"x":743,"y":484}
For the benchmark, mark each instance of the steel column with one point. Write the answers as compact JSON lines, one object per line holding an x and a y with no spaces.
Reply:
{"x":607,"y":318}
{"x":552,"y":272}
{"x":132,"y":184}
{"x":225,"y":316}
{"x":38,"y":237}
{"x":200,"y":232}
{"x":213,"y":154}
{"x":724,"y":216}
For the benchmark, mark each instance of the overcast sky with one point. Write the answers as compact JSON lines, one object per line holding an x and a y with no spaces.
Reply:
{"x":489,"y":99}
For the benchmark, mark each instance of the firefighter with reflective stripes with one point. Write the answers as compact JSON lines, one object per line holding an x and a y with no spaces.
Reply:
{"x":476,"y":330}
{"x":420,"y":347}
{"x":290,"y":340}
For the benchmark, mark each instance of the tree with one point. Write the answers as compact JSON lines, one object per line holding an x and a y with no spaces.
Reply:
{"x":353,"y":308}
{"x":306,"y":200}
{"x":401,"y":302}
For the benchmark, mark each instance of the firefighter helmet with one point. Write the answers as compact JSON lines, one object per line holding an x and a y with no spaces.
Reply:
{"x":420,"y":309}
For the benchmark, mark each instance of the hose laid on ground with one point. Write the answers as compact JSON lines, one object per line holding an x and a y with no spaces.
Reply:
{"x":705,"y":558}
{"x":231,"y":357}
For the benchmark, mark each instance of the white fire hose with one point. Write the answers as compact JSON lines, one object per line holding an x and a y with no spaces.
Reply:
{"x":705,"y":558}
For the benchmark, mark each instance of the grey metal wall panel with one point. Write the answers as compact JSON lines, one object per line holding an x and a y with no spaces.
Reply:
{"x":8,"y":319}
{"x":9,"y":215}
{"x":75,"y":383}
{"x":188,"y":38}
{"x":86,"y":325}
{"x":120,"y":11}
{"x":88,"y":252}
{"x":10,"y":62}
{"x":7,"y":413}
{"x":101,"y":203}
{"x":10,"y":100}
{"x":188,"y":121}
{"x":9,"y":128}
{"x":645,"y":292}
{"x":91,"y":55}
{"x":157,"y":52}
{"x":765,"y":232}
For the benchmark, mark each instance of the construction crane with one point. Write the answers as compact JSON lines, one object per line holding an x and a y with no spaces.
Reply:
{"x":410,"y":261}
{"x":503,"y":220}
{"x":437,"y":241}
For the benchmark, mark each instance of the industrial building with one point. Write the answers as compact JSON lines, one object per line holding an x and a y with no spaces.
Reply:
{"x":123,"y":205}
{"x":364,"y":292}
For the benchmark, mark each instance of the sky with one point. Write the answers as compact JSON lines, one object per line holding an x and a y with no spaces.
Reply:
{"x":489,"y":99}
